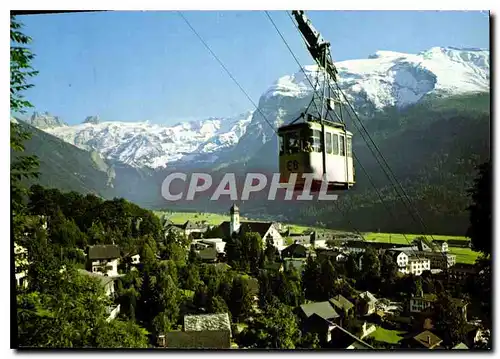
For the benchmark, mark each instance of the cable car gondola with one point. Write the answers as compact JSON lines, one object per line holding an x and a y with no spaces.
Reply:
{"x":304,"y":150}
{"x":317,"y":146}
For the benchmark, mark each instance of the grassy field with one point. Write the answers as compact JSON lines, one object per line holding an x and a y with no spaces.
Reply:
{"x":387,"y":336}
{"x":464,"y":255}
{"x":399,"y":238}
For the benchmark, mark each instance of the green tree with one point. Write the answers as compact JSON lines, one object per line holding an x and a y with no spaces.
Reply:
{"x":241,"y":302}
{"x":310,"y":341}
{"x":449,"y":320}
{"x":252,"y":251}
{"x":480,"y":227}
{"x":121,"y":334}
{"x":65,"y":314}
{"x":270,"y":252}
{"x":22,"y":167}
{"x":217,"y":305}
{"x":276,"y":328}
{"x":311,"y":279}
{"x":327,"y":280}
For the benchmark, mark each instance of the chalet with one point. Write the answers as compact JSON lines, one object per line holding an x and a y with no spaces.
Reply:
{"x":318,"y":317}
{"x":103,"y":259}
{"x":367,"y":303}
{"x":133,"y":258}
{"x":205,"y":331}
{"x":400,"y":258}
{"x":264,"y":229}
{"x":294,"y":251}
{"x":191,"y":227}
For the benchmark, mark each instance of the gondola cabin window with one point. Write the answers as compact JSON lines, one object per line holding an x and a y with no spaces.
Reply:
{"x":281,"y":145}
{"x":316,"y":142}
{"x":349,"y":146}
{"x":342,"y":145}
{"x":335,"y":145}
{"x":292,"y":141}
{"x":329,"y":143}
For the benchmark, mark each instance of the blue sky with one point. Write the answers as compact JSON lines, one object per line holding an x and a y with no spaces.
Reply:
{"x":137,"y":66}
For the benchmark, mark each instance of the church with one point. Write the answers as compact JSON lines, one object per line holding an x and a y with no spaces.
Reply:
{"x":265,"y":229}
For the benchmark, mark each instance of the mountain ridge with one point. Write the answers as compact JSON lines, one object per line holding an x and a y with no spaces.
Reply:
{"x":385,"y":79}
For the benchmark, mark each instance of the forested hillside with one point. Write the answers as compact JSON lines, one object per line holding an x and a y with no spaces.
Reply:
{"x":433,"y":150}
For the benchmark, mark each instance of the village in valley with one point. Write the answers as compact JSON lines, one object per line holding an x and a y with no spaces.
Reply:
{"x":336,"y":289}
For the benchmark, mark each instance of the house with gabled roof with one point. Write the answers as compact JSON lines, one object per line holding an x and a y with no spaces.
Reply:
{"x":190,"y":227}
{"x":294,"y":250}
{"x":103,"y":259}
{"x":318,"y":317}
{"x":264,"y":229}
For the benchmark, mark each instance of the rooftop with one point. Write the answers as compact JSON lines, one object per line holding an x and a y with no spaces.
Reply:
{"x":341,"y":302}
{"x":104,"y":251}
{"x":207,"y":322}
{"x":322,"y":309}
{"x":428,"y":339}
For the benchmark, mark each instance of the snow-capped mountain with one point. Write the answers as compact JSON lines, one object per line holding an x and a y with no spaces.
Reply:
{"x":45,"y":121}
{"x":141,"y":144}
{"x":384,"y":79}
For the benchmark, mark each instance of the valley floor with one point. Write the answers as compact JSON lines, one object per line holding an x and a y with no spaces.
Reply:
{"x":464,"y":255}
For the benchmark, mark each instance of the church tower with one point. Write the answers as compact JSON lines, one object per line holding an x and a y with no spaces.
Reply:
{"x":234,"y":224}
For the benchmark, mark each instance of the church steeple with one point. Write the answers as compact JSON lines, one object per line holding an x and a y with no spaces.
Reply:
{"x":234,"y":224}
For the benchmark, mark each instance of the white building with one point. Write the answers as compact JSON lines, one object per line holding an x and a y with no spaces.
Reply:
{"x":417,"y":265}
{"x":21,"y":263}
{"x":264,"y":229}
{"x":103,"y":259}
{"x":217,"y":243}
